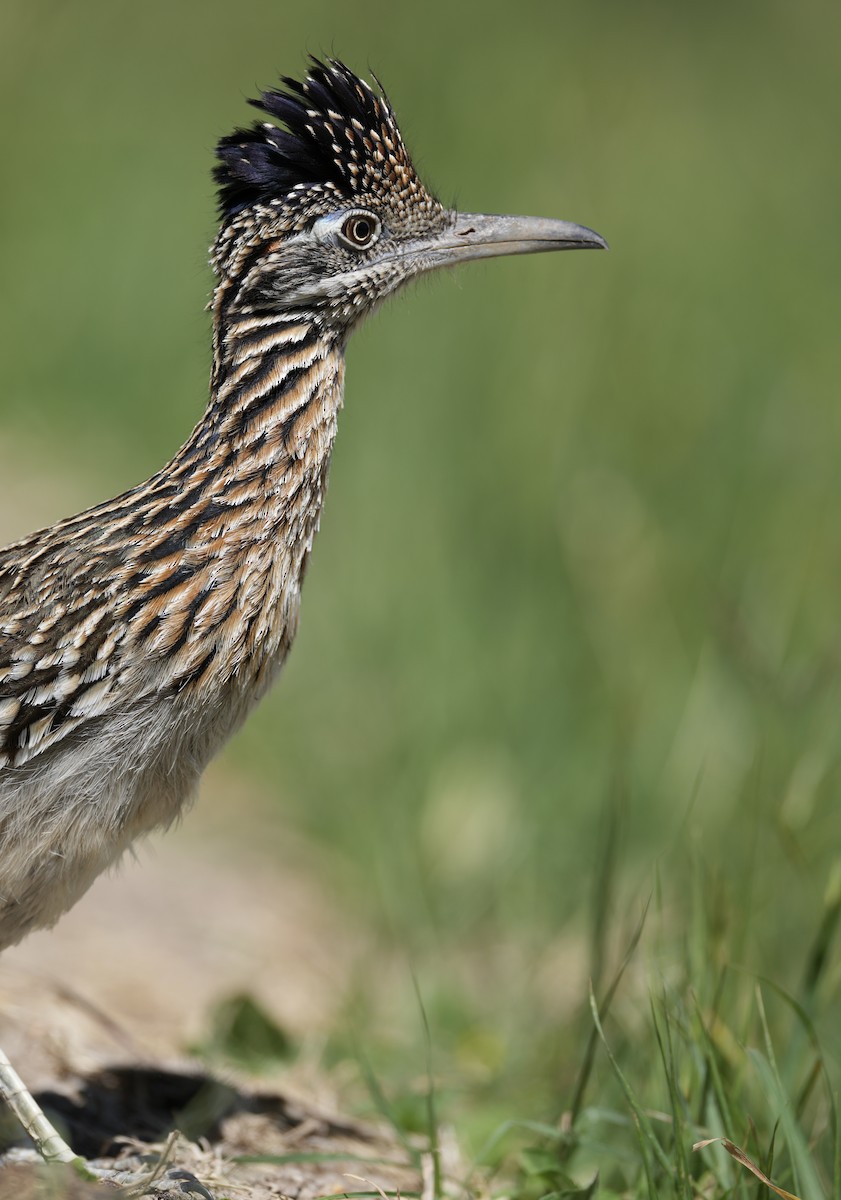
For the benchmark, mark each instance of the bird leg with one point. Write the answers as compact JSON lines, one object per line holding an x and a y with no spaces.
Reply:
{"x":52,"y":1148}
{"x":48,"y":1141}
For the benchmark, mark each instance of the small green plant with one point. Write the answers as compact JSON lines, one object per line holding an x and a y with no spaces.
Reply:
{"x":243,"y":1034}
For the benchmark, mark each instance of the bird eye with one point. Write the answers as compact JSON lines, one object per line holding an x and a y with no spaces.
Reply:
{"x":360,"y":230}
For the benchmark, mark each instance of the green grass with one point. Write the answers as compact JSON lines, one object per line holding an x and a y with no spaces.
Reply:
{"x":683,"y":1039}
{"x":570,"y":637}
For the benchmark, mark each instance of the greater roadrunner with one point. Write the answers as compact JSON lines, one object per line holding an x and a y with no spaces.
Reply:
{"x":135,"y":637}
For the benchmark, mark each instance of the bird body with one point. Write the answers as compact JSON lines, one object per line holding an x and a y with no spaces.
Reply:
{"x":136,"y":636}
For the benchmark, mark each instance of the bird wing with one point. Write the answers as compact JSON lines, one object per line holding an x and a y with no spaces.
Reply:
{"x":138,"y":596}
{"x":58,"y":639}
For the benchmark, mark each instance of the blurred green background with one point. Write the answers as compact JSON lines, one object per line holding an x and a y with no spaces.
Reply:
{"x":580,"y":564}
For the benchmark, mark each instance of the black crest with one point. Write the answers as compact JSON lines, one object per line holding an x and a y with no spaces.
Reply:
{"x":340,"y":135}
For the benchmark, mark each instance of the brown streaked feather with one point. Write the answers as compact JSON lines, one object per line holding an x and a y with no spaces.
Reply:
{"x":161,"y":572}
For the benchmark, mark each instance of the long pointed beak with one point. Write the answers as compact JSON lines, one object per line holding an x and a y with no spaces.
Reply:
{"x":484,"y":235}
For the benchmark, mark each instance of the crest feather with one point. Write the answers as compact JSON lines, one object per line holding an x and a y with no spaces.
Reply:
{"x":339,"y":133}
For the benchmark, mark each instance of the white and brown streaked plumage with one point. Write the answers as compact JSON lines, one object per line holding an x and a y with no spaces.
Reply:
{"x":135,"y":637}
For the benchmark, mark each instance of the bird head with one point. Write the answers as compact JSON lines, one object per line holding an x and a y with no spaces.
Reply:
{"x":327,"y":217}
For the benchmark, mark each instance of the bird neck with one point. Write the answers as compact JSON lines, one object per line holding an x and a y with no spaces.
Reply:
{"x":243,"y":496}
{"x":276,"y":389}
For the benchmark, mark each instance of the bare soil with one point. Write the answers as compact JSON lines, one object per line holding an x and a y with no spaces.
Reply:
{"x":96,"y":1013}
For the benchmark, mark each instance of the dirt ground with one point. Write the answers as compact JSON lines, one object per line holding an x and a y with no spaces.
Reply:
{"x":205,"y":904}
{"x":96,"y":1013}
